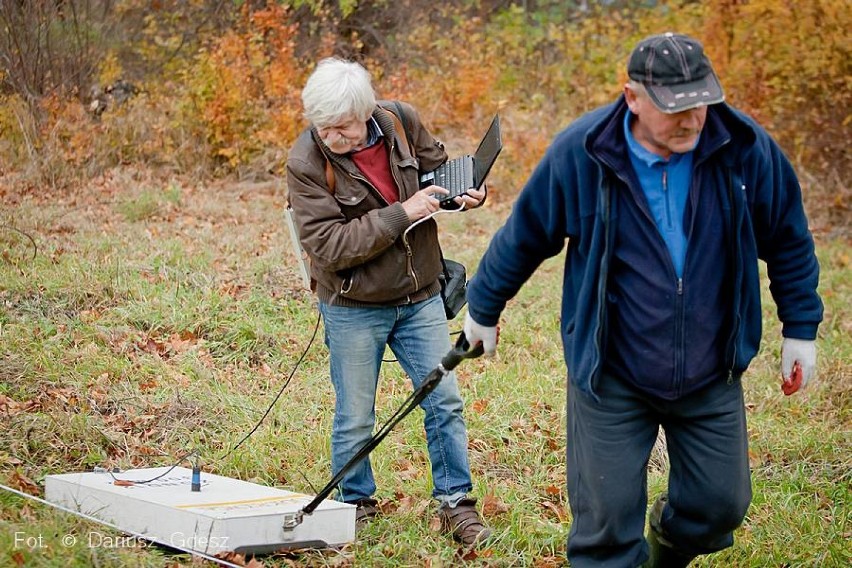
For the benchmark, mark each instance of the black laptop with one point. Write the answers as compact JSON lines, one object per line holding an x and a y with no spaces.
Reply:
{"x":467,"y":172}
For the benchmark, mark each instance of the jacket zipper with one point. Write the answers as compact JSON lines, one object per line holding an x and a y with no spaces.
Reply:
{"x":409,"y":261}
{"x":604,"y":273}
{"x":409,"y":253}
{"x":680,"y":324}
{"x":346,"y":285}
{"x":678,"y":362}
{"x":678,"y":379}
{"x":735,"y":246}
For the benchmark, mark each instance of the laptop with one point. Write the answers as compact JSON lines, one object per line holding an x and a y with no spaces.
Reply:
{"x":467,"y":172}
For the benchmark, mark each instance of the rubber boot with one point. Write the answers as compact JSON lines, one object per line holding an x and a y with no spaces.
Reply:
{"x":662,"y":553}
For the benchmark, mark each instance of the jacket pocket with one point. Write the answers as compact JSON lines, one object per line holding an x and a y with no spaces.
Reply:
{"x":409,"y":162}
{"x":381,"y":280}
{"x":349,"y":195}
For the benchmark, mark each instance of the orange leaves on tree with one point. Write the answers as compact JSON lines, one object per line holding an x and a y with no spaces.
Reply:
{"x":787,"y":64}
{"x":248,"y":87}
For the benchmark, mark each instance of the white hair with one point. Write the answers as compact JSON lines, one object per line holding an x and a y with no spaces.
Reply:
{"x":638,"y":88}
{"x":338,"y":90}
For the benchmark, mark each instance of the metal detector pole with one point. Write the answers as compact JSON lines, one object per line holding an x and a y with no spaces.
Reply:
{"x":449,"y":362}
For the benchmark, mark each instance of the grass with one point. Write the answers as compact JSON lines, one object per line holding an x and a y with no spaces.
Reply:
{"x":156,"y":318}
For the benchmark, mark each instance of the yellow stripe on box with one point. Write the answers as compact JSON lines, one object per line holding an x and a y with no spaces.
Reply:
{"x":242,"y":502}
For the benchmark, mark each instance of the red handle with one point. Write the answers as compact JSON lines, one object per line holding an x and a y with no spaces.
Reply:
{"x":794,"y":383}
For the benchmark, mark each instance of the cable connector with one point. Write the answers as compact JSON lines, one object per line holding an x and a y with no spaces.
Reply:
{"x":196,"y":477}
{"x":293,"y":520}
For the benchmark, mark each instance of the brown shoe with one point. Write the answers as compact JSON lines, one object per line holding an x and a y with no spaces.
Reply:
{"x":366,"y":509}
{"x":464,"y":523}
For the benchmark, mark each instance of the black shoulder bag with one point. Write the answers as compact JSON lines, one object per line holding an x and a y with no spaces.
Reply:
{"x":453,"y":286}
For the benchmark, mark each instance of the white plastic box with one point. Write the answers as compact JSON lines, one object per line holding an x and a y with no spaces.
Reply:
{"x":226,"y":515}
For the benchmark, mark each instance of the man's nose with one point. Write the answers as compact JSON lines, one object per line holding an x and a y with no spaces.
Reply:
{"x":691,"y":118}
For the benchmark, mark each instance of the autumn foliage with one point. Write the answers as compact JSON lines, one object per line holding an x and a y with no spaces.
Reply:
{"x":228,"y":101}
{"x":245,"y":88}
{"x":149,"y":302}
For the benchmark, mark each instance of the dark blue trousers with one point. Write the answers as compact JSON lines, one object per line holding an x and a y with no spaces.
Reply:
{"x":609,"y":444}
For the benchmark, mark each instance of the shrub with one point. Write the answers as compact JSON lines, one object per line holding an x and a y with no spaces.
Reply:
{"x":245,"y":90}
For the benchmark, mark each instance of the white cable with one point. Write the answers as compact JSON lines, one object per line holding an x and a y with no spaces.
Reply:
{"x":430,"y":215}
{"x":119,"y":529}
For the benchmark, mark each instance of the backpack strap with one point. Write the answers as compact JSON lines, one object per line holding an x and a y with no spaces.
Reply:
{"x":399,"y":124}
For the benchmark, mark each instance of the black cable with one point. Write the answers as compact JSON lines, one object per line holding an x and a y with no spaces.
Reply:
{"x":27,"y":235}
{"x":280,"y":392}
{"x":165,"y":473}
{"x":246,"y":437}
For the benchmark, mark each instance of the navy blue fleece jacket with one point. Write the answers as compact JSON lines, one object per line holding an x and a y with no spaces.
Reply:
{"x":574,"y":195}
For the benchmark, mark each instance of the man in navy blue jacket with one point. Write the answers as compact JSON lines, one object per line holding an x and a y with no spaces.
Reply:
{"x":667,"y":198}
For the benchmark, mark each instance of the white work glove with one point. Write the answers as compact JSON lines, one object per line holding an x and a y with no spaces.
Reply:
{"x":801,"y":350}
{"x":477,"y":333}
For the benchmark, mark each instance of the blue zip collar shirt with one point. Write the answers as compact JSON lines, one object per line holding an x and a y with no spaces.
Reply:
{"x":665,"y":184}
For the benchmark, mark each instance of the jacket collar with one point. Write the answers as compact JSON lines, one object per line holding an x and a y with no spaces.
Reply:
{"x":724,"y":127}
{"x":385,"y":123}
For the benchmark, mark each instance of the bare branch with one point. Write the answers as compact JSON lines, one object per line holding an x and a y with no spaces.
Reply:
{"x":27,"y":235}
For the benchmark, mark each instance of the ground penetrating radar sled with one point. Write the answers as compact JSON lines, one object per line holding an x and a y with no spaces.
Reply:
{"x":211,"y":514}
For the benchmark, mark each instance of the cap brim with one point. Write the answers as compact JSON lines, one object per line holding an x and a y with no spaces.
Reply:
{"x":677,"y":98}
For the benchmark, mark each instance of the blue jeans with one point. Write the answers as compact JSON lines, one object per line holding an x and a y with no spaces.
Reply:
{"x":609,"y":444}
{"x":419,"y":337}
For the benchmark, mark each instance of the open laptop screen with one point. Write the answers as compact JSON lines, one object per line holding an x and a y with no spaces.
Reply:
{"x":486,"y":153}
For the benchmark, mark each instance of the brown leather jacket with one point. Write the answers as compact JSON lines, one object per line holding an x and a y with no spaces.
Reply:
{"x":353,"y":237}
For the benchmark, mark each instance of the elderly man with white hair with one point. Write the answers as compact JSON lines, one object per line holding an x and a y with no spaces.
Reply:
{"x":354,"y":185}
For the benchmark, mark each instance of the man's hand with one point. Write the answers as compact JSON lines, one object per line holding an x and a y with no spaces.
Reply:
{"x":471,"y":198}
{"x":423,"y":203}
{"x":802,"y":351}
{"x":477,"y":333}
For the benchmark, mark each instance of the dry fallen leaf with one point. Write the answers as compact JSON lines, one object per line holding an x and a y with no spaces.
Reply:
{"x":491,"y":506}
{"x":557,"y":510}
{"x":23,"y":483}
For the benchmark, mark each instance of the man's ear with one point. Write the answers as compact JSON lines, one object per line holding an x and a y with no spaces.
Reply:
{"x":631,"y":97}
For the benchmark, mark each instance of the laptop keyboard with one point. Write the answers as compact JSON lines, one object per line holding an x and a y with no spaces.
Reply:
{"x":454,"y":173}
{"x":454,"y":177}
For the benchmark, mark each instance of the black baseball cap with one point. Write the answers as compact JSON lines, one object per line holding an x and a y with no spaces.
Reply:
{"x":675,"y":72}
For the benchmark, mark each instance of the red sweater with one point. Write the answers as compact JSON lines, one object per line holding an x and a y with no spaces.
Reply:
{"x":374,"y":163}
